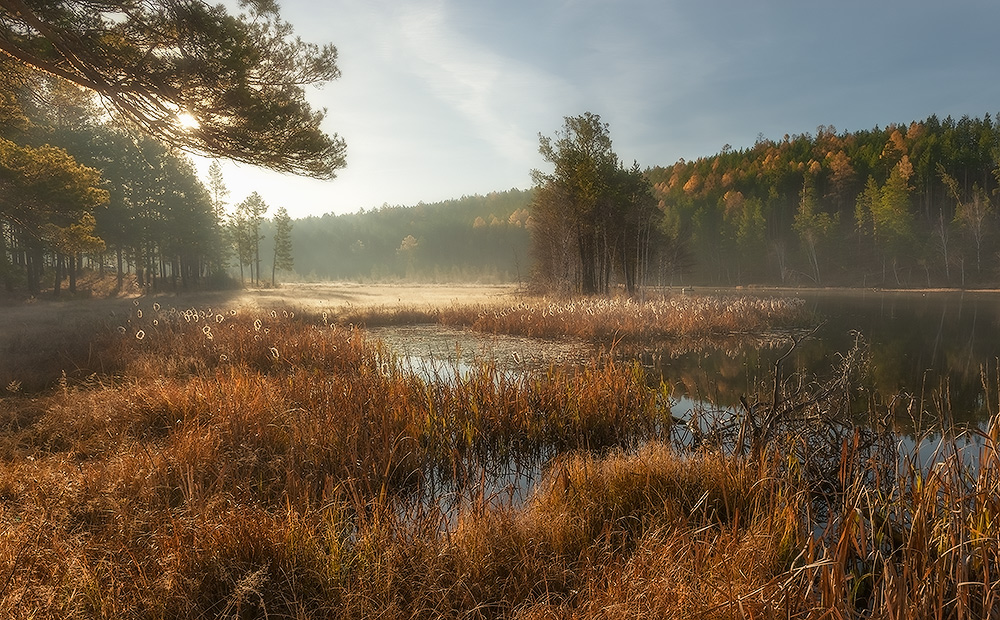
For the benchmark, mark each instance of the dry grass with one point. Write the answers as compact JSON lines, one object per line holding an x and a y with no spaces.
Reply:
{"x":602,"y":319}
{"x":624,"y":319}
{"x":266,"y":464}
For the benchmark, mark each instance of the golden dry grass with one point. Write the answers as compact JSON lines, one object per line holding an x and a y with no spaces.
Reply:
{"x":266,"y":463}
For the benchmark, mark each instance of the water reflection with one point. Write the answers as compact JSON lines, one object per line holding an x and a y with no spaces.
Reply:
{"x":919,"y":344}
{"x":438,"y":352}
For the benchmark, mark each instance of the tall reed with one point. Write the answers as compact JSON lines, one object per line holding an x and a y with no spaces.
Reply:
{"x":242,"y":465}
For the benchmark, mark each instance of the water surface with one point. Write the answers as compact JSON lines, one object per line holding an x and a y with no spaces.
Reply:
{"x":919,"y":343}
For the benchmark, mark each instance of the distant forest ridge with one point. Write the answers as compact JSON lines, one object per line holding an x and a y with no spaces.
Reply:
{"x":904,"y":205}
{"x":907,"y":205}
{"x":473,"y":238}
{"x":901,"y":205}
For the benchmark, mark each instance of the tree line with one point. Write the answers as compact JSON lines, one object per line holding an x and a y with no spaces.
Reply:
{"x":901,"y":205}
{"x":105,"y":183}
{"x":77,"y":190}
{"x":104,"y":186}
{"x":482,"y":238}
{"x":908,"y":205}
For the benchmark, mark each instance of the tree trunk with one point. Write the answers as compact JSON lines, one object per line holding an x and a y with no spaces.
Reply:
{"x":587,"y":284}
{"x":5,"y":265}
{"x":121,"y":274}
{"x":56,"y":285}
{"x":33,"y":263}
{"x":74,"y":264}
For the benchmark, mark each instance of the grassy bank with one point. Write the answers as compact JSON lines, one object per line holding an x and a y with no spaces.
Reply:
{"x":270,"y":464}
{"x":604,"y":320}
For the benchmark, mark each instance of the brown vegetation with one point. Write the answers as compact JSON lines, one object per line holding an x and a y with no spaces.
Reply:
{"x":272,"y":464}
{"x":601,"y":319}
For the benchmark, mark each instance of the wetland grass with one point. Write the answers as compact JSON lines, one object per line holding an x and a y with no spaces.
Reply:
{"x":603,"y":320}
{"x":252,"y":465}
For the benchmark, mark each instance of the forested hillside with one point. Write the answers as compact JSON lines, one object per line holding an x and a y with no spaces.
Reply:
{"x":909,"y":205}
{"x":903,"y":205}
{"x":474,"y":238}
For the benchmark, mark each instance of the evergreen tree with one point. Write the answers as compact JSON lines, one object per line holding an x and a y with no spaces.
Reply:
{"x":188,"y":73}
{"x":590,"y":207}
{"x":812,"y":225}
{"x":245,"y":227}
{"x":282,"y":244}
{"x":219,"y":192}
{"x":46,"y":199}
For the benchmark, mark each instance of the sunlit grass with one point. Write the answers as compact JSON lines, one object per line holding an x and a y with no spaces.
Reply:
{"x":272,"y":464}
{"x":603,"y":319}
{"x":617,"y":319}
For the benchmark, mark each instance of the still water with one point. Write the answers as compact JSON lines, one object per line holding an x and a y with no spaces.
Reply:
{"x":918,"y":343}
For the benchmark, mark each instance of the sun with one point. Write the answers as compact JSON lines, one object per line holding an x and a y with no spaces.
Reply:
{"x":187,"y":121}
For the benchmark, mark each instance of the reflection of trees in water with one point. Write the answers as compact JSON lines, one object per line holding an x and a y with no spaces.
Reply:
{"x":717,"y":370}
{"x":927,"y":346}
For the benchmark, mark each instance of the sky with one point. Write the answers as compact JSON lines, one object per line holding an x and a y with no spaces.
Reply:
{"x":444,"y":98}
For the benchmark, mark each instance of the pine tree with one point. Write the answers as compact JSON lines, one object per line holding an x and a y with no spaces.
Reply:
{"x":282,"y":244}
{"x":188,"y":73}
{"x":245,"y":230}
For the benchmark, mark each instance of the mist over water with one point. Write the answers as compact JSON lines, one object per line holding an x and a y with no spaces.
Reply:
{"x":918,"y":343}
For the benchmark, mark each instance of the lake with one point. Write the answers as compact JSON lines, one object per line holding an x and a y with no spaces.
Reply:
{"x":919,"y":343}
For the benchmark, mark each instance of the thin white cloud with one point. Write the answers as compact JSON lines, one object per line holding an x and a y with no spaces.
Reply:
{"x":444,"y":97}
{"x":492,"y":93}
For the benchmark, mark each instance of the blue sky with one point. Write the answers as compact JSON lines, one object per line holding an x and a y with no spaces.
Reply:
{"x":442,"y":98}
